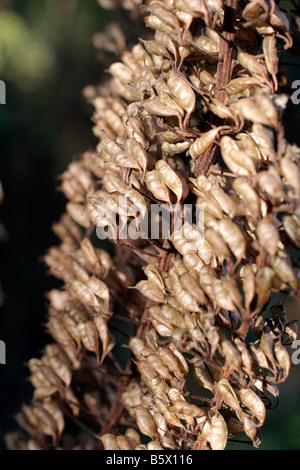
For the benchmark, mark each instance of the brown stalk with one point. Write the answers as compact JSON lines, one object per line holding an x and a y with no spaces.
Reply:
{"x":225,"y":65}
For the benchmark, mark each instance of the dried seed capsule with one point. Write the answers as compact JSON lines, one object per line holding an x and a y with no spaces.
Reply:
{"x":145,"y":422}
{"x":236,"y":160}
{"x":109,"y":442}
{"x":268,"y":236}
{"x":291,"y":225}
{"x":84,"y":294}
{"x":253,"y":402}
{"x":233,"y":236}
{"x":218,"y":430}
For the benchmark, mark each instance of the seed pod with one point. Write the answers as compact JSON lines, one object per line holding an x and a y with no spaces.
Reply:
{"x":173,"y":316}
{"x":201,"y":374}
{"x":84,"y":294}
{"x":100,"y":289}
{"x":151,"y":290}
{"x":78,"y":213}
{"x":291,"y":225}
{"x":109,"y":442}
{"x":185,"y":299}
{"x":281,"y":265}
{"x":263,"y":281}
{"x":248,"y":285}
{"x":236,"y":160}
{"x":239,"y":85}
{"x":253,"y":402}
{"x":218,"y":430}
{"x":290,"y":172}
{"x":200,"y":145}
{"x":156,"y":186}
{"x":244,"y":189}
{"x":257,"y":69}
{"x":233,"y":236}
{"x":270,"y":56}
{"x":268,"y":236}
{"x":145,"y":422}
{"x":107,"y":341}
{"x":171,"y":179}
{"x":228,"y":394}
{"x":259,"y":356}
{"x":282,"y":358}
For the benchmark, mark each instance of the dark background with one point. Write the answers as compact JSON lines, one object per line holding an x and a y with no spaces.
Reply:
{"x":46,"y":58}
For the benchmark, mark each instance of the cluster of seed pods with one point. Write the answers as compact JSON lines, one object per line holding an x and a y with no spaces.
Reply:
{"x":192,"y":114}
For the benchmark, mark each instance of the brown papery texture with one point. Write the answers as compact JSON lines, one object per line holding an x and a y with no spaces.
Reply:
{"x":158,"y":346}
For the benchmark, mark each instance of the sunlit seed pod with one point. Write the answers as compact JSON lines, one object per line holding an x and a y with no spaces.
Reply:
{"x":157,"y":364}
{"x":228,"y":394}
{"x":148,"y":374}
{"x":231,"y":355}
{"x":61,"y":370}
{"x":53,"y":408}
{"x":253,"y":403}
{"x":151,"y":291}
{"x":282,"y":266}
{"x":166,"y":41}
{"x":248,"y":145}
{"x":169,"y":360}
{"x":155,"y":23}
{"x":79,"y":271}
{"x":207,"y":44}
{"x":270,"y":56}
{"x":220,"y":109}
{"x":271,"y":185}
{"x":282,"y":358}
{"x":249,"y":62}
{"x":243,"y":188}
{"x":186,"y":300}
{"x":236,"y":160}
{"x":78,"y":213}
{"x":218,"y":430}
{"x":121,"y":72}
{"x":154,"y":445}
{"x":156,"y":186}
{"x":89,"y":336}
{"x":220,"y":295}
{"x":279,"y":19}
{"x":179,"y":147}
{"x":291,"y":173}
{"x":107,"y":340}
{"x":133,"y":437}
{"x":259,"y":356}
{"x":268,"y":236}
{"x":182,"y":91}
{"x":245,"y":356}
{"x":266,"y":345}
{"x":202,"y":375}
{"x":263,"y":282}
{"x":100,"y":289}
{"x":84,"y":294}
{"x":154,"y":276}
{"x":190,"y":284}
{"x":171,"y":179}
{"x":250,"y":428}
{"x":184,"y":408}
{"x":193,"y":262}
{"x":123,"y":443}
{"x":180,"y":358}
{"x":145,"y":422}
{"x":109,"y":442}
{"x":207,"y":277}
{"x":59,"y":333}
{"x":173,"y":316}
{"x":239,"y":85}
{"x":248,"y":285}
{"x":291,"y":225}
{"x":291,"y":329}
{"x":233,"y":236}
{"x":218,"y":245}
{"x":162,"y":328}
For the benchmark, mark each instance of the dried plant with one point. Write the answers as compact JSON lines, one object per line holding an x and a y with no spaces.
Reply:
{"x":159,"y":339}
